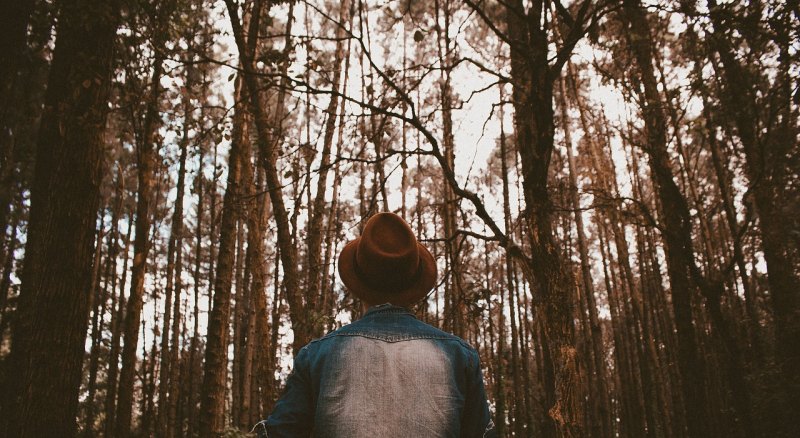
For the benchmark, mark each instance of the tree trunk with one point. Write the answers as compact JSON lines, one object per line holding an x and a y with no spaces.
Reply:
{"x":52,"y":315}
{"x":534,"y":127}
{"x":677,"y":224}
{"x":14,"y":23}
{"x":267,"y":144}
{"x":274,"y":350}
{"x":253,"y":299}
{"x":454,"y":288}
{"x":146,"y":157}
{"x":166,"y":397}
{"x":317,"y":212}
{"x":262,"y":358}
{"x":500,"y":397}
{"x":193,"y":347}
{"x":770,"y":155}
{"x":8,"y":265}
{"x":97,"y":301}
{"x":117,"y":321}
{"x":212,"y":421}
{"x":600,"y":401}
{"x":241,"y":297}
{"x":111,"y":264}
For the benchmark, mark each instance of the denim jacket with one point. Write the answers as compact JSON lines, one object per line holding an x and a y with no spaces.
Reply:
{"x":385,"y":375}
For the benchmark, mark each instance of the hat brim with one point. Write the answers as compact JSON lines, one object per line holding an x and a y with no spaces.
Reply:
{"x":424,"y":282}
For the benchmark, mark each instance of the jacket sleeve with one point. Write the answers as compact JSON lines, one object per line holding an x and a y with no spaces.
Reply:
{"x":293,"y":415}
{"x":475,"y":420}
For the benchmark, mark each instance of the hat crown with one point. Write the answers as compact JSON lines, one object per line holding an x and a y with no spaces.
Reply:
{"x":387,"y":255}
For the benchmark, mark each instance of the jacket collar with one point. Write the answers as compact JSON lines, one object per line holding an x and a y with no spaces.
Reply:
{"x":386,"y":308}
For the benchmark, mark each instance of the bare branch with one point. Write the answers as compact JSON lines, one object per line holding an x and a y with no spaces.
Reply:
{"x":489,"y":22}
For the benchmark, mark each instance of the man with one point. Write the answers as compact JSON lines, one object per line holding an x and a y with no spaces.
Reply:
{"x":387,"y":374}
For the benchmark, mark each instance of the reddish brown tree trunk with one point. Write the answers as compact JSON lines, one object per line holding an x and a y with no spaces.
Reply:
{"x":117,"y":317}
{"x":98,"y":305}
{"x":191,"y":402}
{"x":53,"y":308}
{"x":534,"y":127}
{"x":600,"y":402}
{"x":145,"y":155}
{"x":166,"y":386}
{"x":212,"y":421}
{"x":316,"y":230}
{"x":771,"y":162}
{"x":15,"y":16}
{"x":267,"y":144}
{"x":455,"y":308}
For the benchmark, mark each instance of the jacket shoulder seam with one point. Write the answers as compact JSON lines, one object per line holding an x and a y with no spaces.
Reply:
{"x":393,"y":339}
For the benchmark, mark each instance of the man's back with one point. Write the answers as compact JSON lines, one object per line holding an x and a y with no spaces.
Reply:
{"x":386,"y":375}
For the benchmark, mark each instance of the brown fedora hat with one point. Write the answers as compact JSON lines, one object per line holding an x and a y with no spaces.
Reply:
{"x":387,"y":264}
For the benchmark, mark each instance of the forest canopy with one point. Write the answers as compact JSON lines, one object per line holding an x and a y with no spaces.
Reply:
{"x":611,"y":189}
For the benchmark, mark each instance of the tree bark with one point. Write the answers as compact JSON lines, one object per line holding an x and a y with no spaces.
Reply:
{"x":212,"y":421}
{"x":8,"y":265}
{"x":455,"y":309}
{"x":771,"y":160}
{"x":174,"y":255}
{"x":315,"y":228}
{"x":146,"y":157}
{"x":53,"y":310}
{"x":97,"y":301}
{"x":117,"y":321}
{"x":267,"y":144}
{"x":534,"y":126}
{"x":14,"y":20}
{"x":599,"y":401}
{"x":198,"y":254}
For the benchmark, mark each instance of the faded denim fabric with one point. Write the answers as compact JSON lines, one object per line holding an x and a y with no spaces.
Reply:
{"x":385,"y":375}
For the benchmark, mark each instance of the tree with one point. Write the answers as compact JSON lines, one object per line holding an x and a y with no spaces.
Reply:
{"x":267,"y":144}
{"x":51,"y":320}
{"x":145,"y":158}
{"x":533,"y":75}
{"x":13,"y":49}
{"x":769,"y":141}
{"x":677,"y":224}
{"x":215,"y":368}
